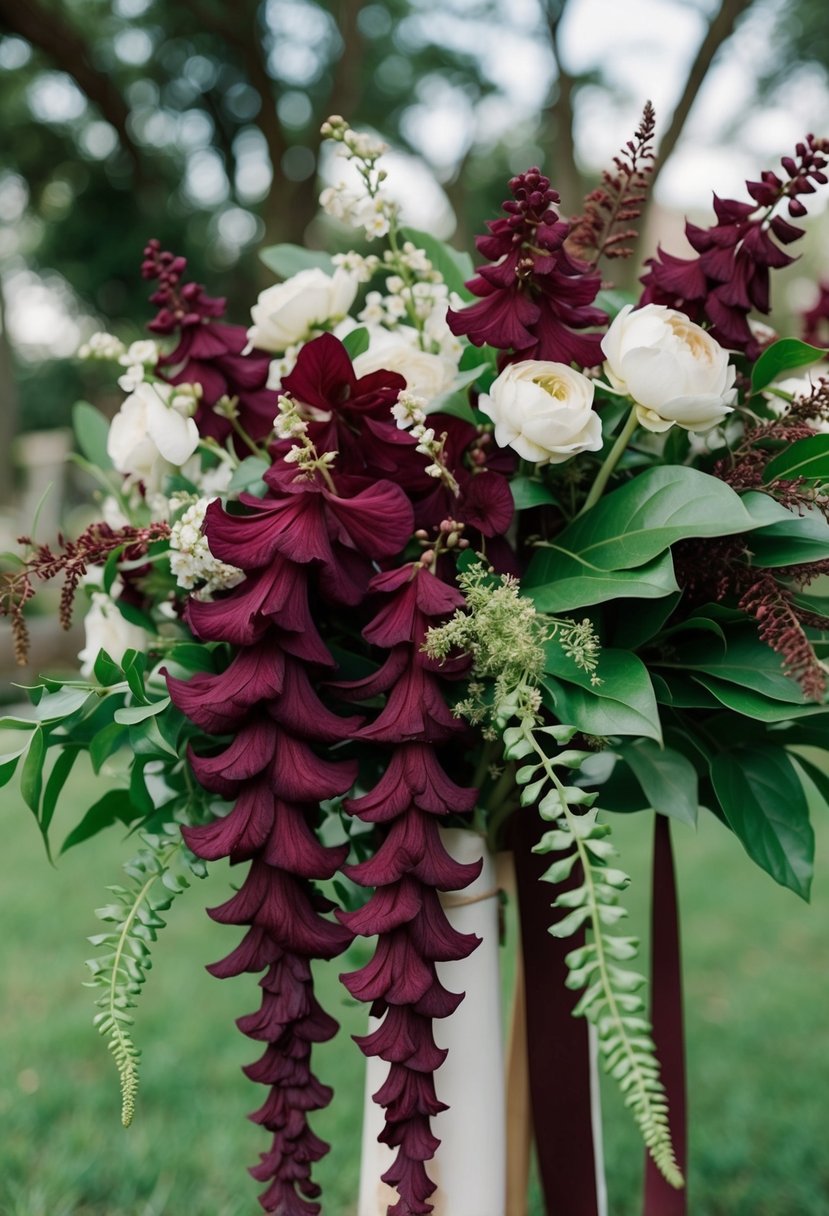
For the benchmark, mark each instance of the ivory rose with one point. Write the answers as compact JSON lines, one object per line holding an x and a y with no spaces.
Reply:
{"x":674,"y":372}
{"x":544,"y":411}
{"x":151,"y":434}
{"x":427,"y":375}
{"x":286,"y":313}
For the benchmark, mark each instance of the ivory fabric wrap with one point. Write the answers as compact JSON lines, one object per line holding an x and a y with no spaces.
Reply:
{"x":470,"y":1165}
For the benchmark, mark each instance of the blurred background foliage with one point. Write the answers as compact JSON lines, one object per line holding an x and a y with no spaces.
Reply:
{"x":197,"y":121}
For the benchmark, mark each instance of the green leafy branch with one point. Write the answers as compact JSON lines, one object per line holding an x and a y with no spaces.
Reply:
{"x":612,"y":996}
{"x":158,"y":873}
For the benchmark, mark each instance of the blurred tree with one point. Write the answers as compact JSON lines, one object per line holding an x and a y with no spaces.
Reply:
{"x":197,"y":121}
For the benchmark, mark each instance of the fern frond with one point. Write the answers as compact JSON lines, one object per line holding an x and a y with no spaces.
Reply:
{"x":611,"y":994}
{"x":157,"y":874}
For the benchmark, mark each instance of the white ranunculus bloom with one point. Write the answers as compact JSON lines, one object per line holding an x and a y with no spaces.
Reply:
{"x":427,"y":375}
{"x":105,"y":629}
{"x":544,"y":411}
{"x":673,"y":370}
{"x":286,"y":313}
{"x":148,"y":439}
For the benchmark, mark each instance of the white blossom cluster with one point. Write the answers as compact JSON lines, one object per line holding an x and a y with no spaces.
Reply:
{"x":137,"y":359}
{"x":191,"y":561}
{"x":368,"y":207}
{"x":410,"y":415}
{"x":358,"y":209}
{"x":363,"y":268}
{"x":103,"y":346}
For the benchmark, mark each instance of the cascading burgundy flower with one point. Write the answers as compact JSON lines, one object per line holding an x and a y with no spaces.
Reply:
{"x":406,"y":873}
{"x":303,"y":540}
{"x":209,"y":352}
{"x":730,"y":276}
{"x":534,"y":296}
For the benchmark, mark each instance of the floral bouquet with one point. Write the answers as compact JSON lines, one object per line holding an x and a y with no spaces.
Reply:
{"x":432,"y":564}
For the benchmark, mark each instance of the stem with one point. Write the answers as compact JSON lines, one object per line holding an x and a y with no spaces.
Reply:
{"x":611,"y":460}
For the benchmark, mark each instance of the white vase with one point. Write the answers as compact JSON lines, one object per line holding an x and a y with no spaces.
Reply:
{"x":469,"y":1168}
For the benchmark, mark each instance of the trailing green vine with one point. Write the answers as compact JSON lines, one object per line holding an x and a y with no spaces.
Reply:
{"x":611,"y":995}
{"x":505,"y":636}
{"x":157,"y":874}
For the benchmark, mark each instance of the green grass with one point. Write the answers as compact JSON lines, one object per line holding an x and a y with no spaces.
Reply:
{"x":758,"y":1038}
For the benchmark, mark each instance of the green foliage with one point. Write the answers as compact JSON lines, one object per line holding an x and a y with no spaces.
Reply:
{"x":621,"y":702}
{"x":356,"y":342}
{"x":667,"y":778}
{"x":629,"y":531}
{"x":288,"y":260}
{"x":91,"y":434}
{"x":782,"y":356}
{"x":807,"y":458}
{"x":155,"y":876}
{"x":763,"y":801}
{"x":611,"y":994}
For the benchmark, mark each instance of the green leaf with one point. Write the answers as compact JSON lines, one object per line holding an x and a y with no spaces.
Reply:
{"x":31,"y":776}
{"x":56,"y":705}
{"x":132,"y":714}
{"x":8,"y":767}
{"x":113,"y":807}
{"x":106,"y":670}
{"x":745,"y":661}
{"x":783,"y":356}
{"x":572,"y":585}
{"x":765,"y":806}
{"x":249,"y":475}
{"x":455,"y":266}
{"x":356,"y":342}
{"x":288,"y":260}
{"x":667,"y":778}
{"x":57,"y":779}
{"x":792,"y":541}
{"x":526,"y":492}
{"x":622,"y":704}
{"x":753,"y":704}
{"x":135,"y":616}
{"x":91,"y":433}
{"x":635,"y":624}
{"x":805,"y":458}
{"x":105,"y":743}
{"x":192,"y":657}
{"x":640,"y":520}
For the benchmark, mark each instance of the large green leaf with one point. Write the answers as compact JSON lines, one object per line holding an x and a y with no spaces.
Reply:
{"x":793,"y":541}
{"x":783,"y":356}
{"x":754,"y":704}
{"x":527,"y":492}
{"x":640,"y":520}
{"x":765,"y":806}
{"x":573,"y":585}
{"x":92,"y":433}
{"x":668,"y":779}
{"x":744,"y":660}
{"x":806,"y":458}
{"x":288,"y":260}
{"x":623,"y":703}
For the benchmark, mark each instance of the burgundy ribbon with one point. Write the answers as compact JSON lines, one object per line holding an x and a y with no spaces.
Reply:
{"x":666,"y":1016}
{"x":557,"y":1044}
